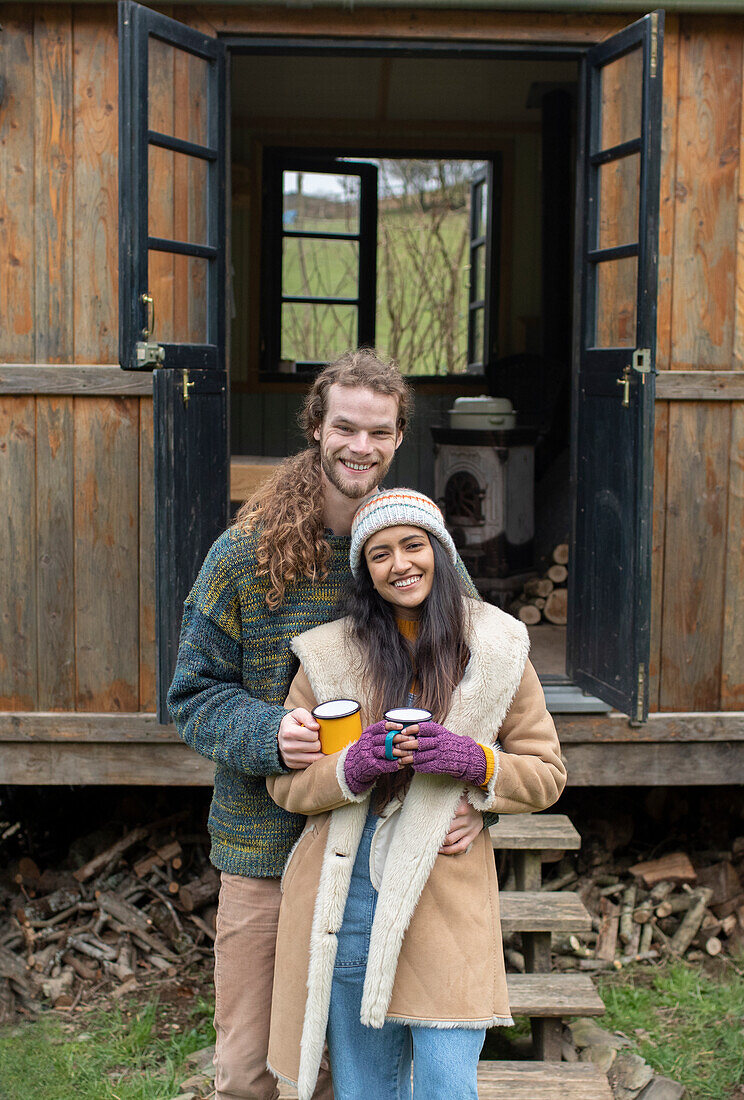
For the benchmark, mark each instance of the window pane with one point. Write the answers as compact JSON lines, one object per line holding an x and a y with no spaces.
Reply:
{"x":476,"y":352}
{"x":317,"y":333}
{"x":320,"y":269}
{"x":321,"y":202}
{"x":620,"y":99}
{"x":615,"y":307}
{"x":177,"y":196}
{"x":619,"y":195}
{"x":480,"y":199}
{"x":177,"y":92}
{"x":478,"y":272}
{"x":178,"y":285}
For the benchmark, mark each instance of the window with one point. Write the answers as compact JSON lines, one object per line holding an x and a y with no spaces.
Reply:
{"x":396,"y":252}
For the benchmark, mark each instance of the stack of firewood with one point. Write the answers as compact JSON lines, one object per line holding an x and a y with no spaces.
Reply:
{"x":545,"y":598}
{"x":142,"y":906}
{"x":666,"y":906}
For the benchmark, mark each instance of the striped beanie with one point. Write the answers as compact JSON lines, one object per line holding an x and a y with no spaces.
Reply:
{"x":392,"y":508}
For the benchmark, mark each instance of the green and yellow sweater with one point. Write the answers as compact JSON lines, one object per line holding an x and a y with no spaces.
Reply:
{"x":232,"y":675}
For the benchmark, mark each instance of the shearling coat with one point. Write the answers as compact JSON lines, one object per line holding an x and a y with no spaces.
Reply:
{"x":436,"y":955}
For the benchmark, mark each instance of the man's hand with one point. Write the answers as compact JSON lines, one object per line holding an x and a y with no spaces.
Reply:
{"x":466,"y":825}
{"x":298,"y":739}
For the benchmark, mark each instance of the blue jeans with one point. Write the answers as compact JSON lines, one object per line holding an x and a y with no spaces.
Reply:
{"x":375,"y":1063}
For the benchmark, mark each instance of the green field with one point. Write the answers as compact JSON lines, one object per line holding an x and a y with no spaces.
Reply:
{"x":422,"y":296}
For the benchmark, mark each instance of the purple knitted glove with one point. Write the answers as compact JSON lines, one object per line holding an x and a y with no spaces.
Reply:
{"x":442,"y":752}
{"x":365,"y":760}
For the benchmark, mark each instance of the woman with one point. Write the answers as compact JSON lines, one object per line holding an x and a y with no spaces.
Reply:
{"x":385,"y":949}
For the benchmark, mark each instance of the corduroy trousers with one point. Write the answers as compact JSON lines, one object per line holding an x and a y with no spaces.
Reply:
{"x":244,"y":949}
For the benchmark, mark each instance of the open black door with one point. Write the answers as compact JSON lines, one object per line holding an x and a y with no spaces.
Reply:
{"x":172,"y":289}
{"x":615,"y":345}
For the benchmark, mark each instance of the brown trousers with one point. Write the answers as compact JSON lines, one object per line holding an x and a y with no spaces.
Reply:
{"x":244,"y":949}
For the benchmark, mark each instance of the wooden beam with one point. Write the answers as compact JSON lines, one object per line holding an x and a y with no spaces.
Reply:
{"x":692,"y":764}
{"x":97,"y":726}
{"x":683,"y":727}
{"x":78,"y":380}
{"x":700,"y":385}
{"x":53,"y":764}
{"x":469,"y":26}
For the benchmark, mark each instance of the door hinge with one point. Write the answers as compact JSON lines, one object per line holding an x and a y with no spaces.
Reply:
{"x":654,"y":44}
{"x":641,"y":692}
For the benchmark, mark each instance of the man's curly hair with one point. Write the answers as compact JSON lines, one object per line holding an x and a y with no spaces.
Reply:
{"x":287,"y":510}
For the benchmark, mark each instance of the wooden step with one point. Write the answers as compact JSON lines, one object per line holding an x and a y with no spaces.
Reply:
{"x":538,"y":911}
{"x":534,"y":831}
{"x":553,"y":995}
{"x":528,"y":1081}
{"x":541,"y":1081}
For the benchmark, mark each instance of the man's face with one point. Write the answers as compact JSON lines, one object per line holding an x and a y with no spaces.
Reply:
{"x":358,"y":439}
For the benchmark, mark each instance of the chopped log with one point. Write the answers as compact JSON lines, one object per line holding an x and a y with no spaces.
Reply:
{"x":558,"y":574}
{"x":675,"y":867}
{"x":200,"y":890}
{"x":608,"y":928}
{"x":556,"y":607}
{"x":84,"y":969}
{"x":661,"y":890}
{"x":722,"y":880}
{"x":538,"y":602}
{"x":713,"y":946}
{"x":99,"y":951}
{"x":626,"y":913}
{"x":109,"y":855}
{"x":538,"y":586}
{"x":203,"y":926}
{"x":647,"y":931}
{"x":560,"y":554}
{"x":731,"y":906}
{"x":165,"y":853}
{"x":7,"y":1002}
{"x":11,"y":967}
{"x":729,"y":924}
{"x":691,"y":922}
{"x":529,"y":615}
{"x":28,"y":871}
{"x":632,"y":948}
{"x":124,"y":912}
{"x":678,"y":903}
{"x":643,"y":912}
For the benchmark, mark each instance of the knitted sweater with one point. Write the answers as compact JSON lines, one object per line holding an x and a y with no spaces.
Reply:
{"x":232,"y":675}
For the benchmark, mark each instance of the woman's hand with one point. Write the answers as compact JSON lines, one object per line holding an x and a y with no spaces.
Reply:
{"x":366,"y":760}
{"x":441,"y":752}
{"x":298,"y":739}
{"x":466,"y":825}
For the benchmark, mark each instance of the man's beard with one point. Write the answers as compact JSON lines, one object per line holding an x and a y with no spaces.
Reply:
{"x":354,"y":491}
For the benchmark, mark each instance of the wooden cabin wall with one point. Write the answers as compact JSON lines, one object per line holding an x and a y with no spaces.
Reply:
{"x":697,"y":659}
{"x":76,"y":589}
{"x":77,"y":583}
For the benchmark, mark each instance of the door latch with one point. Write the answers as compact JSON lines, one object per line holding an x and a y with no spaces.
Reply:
{"x":186,"y":387}
{"x":641,"y":363}
{"x":625,"y":383}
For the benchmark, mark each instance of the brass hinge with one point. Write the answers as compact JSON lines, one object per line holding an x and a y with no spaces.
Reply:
{"x":641,"y":692}
{"x":654,"y":43}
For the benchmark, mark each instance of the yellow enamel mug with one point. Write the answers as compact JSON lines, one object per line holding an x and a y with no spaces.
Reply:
{"x":340,"y":722}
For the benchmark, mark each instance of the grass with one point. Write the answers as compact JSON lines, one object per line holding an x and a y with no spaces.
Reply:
{"x":111,"y":1054}
{"x":686,"y":1023}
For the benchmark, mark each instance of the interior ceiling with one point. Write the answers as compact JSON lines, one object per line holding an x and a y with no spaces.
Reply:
{"x":394,"y":89}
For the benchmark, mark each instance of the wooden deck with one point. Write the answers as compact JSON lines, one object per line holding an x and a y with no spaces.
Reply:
{"x":132,"y":749}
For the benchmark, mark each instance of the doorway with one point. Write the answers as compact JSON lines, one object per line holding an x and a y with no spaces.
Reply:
{"x":447,"y":138}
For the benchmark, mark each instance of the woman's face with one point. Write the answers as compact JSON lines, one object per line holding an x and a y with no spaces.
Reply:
{"x":401,"y":564}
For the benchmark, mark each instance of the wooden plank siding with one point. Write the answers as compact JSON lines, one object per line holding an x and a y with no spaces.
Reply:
{"x":77,"y":606}
{"x":698,"y":587}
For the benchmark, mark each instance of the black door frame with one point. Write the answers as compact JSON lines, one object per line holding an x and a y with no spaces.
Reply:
{"x":298,"y":46}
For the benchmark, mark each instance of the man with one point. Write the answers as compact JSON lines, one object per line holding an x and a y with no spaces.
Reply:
{"x":280,"y":570}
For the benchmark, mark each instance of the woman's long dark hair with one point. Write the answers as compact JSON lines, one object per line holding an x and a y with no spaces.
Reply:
{"x":436,"y":659}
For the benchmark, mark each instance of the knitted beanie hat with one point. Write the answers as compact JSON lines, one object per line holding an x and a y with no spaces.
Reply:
{"x":392,"y":508}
